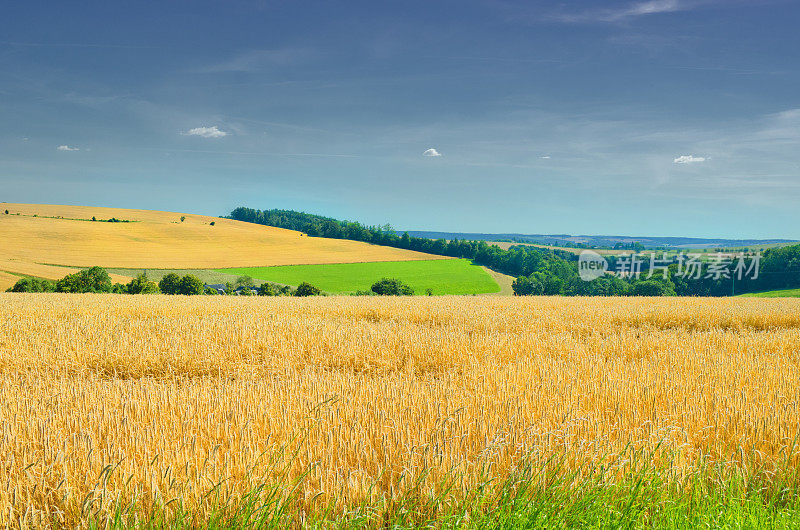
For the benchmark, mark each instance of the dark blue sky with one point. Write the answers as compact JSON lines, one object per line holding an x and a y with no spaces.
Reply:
{"x":664,"y":117}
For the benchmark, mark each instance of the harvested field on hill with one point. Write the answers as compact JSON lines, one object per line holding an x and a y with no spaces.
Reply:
{"x":7,"y":280}
{"x":66,"y":235}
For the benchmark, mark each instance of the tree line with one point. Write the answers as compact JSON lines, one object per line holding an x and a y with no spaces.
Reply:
{"x":779,"y":268}
{"x":540,"y":270}
{"x":97,"y":280}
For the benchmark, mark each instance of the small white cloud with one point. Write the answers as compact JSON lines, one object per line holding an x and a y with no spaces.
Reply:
{"x":689,"y":159}
{"x":431,"y":152}
{"x":545,"y":157}
{"x":206,"y":132}
{"x":67,"y":148}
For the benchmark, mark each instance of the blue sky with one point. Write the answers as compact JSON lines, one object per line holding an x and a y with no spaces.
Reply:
{"x":663,"y":117}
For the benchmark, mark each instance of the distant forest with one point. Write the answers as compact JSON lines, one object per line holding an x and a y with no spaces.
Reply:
{"x":540,"y":270}
{"x":594,"y":241}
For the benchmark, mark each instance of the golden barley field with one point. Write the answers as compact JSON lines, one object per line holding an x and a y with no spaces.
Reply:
{"x":61,"y":235}
{"x":108,"y":398}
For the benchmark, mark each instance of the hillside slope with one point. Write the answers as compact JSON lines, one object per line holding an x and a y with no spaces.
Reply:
{"x":34,"y":237}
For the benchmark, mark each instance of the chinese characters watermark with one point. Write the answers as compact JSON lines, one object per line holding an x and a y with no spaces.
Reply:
{"x":691,"y":266}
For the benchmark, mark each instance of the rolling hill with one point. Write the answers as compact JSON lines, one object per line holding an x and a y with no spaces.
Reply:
{"x":49,"y":241}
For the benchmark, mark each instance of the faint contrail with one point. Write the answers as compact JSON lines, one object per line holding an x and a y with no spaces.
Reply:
{"x":249,"y":153}
{"x":74,"y":45}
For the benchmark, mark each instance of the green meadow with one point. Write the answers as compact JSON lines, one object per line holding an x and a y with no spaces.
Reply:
{"x":444,"y":276}
{"x":782,"y":293}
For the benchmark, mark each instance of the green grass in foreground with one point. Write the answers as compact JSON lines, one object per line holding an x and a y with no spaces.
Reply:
{"x":791,"y":293}
{"x":536,"y":496}
{"x":446,"y":276}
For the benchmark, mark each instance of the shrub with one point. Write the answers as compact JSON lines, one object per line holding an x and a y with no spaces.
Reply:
{"x":212,"y":223}
{"x":94,"y":280}
{"x":306,"y":289}
{"x":142,"y":285}
{"x":191,"y":285}
{"x":391,"y":287}
{"x":170,"y":284}
{"x":266,"y":289}
{"x":183,"y":218}
{"x":245,"y":281}
{"x":188,"y":285}
{"x":31,"y":285}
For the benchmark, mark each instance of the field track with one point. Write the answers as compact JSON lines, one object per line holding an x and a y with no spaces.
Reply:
{"x":366,"y":399}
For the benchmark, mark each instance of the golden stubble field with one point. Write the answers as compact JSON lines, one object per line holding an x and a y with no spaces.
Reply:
{"x":364,"y":397}
{"x":43,"y":239}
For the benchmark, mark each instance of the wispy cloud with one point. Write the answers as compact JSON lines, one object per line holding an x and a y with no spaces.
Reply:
{"x":74,"y":45}
{"x":67,"y":148}
{"x":689,"y":159}
{"x":783,"y":126}
{"x":431,"y":152}
{"x":257,"y":60}
{"x":619,"y":14}
{"x":493,"y":59}
{"x":206,"y":132}
{"x":726,"y":69}
{"x":252,"y":153}
{"x":291,"y":126}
